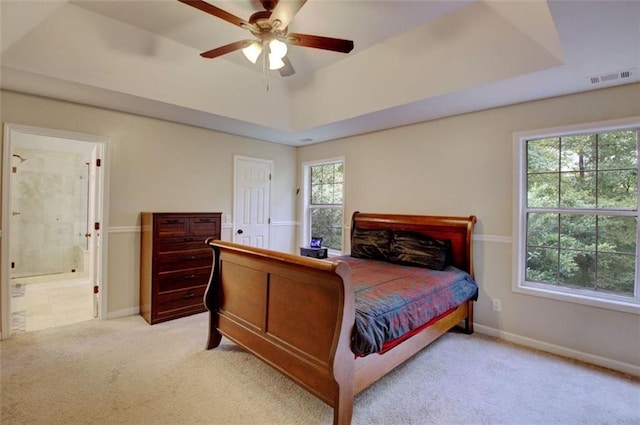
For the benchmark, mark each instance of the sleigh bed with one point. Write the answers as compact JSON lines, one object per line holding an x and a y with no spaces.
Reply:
{"x":303,"y":316}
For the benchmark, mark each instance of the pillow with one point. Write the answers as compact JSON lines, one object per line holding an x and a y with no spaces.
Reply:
{"x":414,"y":249}
{"x":370,"y":243}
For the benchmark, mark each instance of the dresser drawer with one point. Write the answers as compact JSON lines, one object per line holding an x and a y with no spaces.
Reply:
{"x":205,"y":226}
{"x":182,"y":279}
{"x":166,"y":245}
{"x":178,"y":302}
{"x":171,"y":227}
{"x":187,"y":259}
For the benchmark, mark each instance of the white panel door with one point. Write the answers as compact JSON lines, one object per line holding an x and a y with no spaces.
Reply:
{"x":252,"y":199}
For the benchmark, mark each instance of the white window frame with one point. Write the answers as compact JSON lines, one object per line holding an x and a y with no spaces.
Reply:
{"x":580,"y":296}
{"x":305,"y":234}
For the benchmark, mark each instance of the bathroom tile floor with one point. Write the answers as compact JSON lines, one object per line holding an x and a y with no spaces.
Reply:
{"x":47,"y":301}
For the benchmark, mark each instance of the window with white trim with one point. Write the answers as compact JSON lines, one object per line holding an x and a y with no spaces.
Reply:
{"x":576,"y":214}
{"x":324,"y":203}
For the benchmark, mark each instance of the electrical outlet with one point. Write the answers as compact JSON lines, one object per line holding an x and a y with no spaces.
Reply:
{"x":496,"y":305}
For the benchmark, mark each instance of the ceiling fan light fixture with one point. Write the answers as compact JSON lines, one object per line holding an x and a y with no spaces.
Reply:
{"x":277,"y":48}
{"x":275,"y":62}
{"x":252,"y":51}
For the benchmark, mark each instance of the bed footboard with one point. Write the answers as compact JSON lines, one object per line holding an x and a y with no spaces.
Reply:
{"x":294,"y":313}
{"x":297,"y":313}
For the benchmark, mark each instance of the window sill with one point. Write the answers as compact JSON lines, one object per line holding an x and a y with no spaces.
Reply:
{"x":583,"y":299}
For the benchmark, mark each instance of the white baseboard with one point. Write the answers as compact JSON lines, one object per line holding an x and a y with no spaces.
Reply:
{"x":558,"y":350}
{"x":123,"y":313}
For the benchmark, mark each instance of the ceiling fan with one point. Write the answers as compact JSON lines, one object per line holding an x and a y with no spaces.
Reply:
{"x":269,"y":27}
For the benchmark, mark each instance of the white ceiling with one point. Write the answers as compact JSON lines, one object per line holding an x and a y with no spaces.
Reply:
{"x":413,"y":60}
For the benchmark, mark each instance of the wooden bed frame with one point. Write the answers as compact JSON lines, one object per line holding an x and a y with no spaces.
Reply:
{"x":297,"y":313}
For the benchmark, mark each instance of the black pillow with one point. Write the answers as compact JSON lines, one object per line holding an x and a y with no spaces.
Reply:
{"x":370,"y":243}
{"x":415,"y":249}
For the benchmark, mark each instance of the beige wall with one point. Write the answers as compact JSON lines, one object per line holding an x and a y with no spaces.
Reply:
{"x":156,"y":165}
{"x":463,"y":165}
{"x":455,"y":166}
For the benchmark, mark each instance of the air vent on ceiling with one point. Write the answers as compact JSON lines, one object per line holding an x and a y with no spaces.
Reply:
{"x":611,"y":76}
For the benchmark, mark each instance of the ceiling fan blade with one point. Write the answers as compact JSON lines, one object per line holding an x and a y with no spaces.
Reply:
{"x":284,"y":12}
{"x":287,"y":70}
{"x":223,"y":50}
{"x":217,"y":12}
{"x":318,"y":42}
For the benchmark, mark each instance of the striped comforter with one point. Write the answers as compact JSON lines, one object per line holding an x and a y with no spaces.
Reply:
{"x":393,"y":299}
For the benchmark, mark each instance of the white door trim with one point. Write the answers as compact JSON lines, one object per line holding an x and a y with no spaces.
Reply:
{"x":237,"y":158}
{"x":101,"y":213}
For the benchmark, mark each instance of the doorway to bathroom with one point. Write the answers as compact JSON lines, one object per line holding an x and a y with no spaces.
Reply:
{"x":52,"y":215}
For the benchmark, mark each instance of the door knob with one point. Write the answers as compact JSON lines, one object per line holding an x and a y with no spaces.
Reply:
{"x":240,"y":231}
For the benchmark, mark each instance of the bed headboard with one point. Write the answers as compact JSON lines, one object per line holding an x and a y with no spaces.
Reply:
{"x":459,"y":230}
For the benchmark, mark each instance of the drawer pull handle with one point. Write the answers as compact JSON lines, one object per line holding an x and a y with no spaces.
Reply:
{"x":205,"y":220}
{"x":191,"y":257}
{"x":191,"y":295}
{"x":188,"y":239}
{"x":172,"y":221}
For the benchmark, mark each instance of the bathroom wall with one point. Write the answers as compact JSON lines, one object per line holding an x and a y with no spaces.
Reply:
{"x":49,"y":212}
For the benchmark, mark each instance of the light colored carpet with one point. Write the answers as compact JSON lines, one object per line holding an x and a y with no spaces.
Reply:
{"x":124,"y":371}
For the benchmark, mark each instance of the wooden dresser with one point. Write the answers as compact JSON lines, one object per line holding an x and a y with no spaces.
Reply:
{"x":175,"y":263}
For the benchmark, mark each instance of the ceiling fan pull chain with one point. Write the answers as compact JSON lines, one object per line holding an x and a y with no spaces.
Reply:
{"x":265,"y":67}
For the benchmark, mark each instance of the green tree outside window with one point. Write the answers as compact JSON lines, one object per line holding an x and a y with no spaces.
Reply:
{"x":326,"y":203}
{"x":581,"y":211}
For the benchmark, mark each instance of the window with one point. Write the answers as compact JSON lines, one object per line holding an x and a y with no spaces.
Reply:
{"x":324,"y":197}
{"x":577,"y":214}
